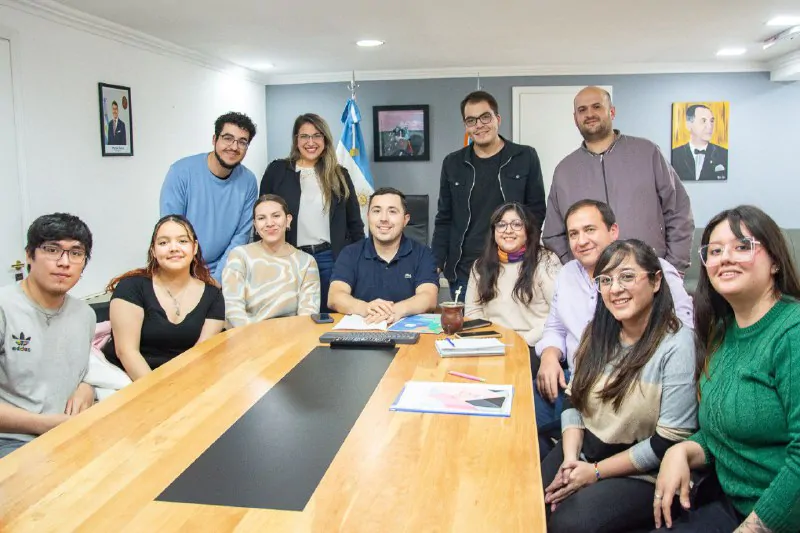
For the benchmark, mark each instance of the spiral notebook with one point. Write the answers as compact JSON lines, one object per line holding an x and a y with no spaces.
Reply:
{"x":469,"y":347}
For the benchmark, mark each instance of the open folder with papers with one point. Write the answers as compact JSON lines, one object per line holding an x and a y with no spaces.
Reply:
{"x":467,"y":347}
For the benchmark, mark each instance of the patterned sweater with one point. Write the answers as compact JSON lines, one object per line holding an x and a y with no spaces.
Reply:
{"x":660,"y":409}
{"x":258,"y":285}
{"x":750,"y":416}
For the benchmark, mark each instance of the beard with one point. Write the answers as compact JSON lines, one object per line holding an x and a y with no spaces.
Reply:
{"x":597,"y":132}
{"x":222,"y":163}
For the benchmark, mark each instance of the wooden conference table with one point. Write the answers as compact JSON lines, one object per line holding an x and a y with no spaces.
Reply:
{"x":410,"y":472}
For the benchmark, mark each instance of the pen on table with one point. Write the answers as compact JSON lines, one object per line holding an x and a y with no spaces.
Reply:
{"x":451,"y":342}
{"x":465,"y":376}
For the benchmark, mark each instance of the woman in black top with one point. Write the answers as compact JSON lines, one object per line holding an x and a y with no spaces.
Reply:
{"x":322,"y":200}
{"x":162,"y":310}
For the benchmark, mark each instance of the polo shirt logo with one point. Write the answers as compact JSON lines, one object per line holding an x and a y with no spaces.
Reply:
{"x":21,"y":343}
{"x":408,"y":276}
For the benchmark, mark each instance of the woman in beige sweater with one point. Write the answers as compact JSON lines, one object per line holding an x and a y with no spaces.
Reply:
{"x":269,"y":278}
{"x":512,"y":282}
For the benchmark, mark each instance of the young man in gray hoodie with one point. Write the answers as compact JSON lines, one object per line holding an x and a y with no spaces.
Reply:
{"x":630,"y":175}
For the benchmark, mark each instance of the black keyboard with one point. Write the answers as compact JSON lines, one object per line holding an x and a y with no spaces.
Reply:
{"x":369,"y":337}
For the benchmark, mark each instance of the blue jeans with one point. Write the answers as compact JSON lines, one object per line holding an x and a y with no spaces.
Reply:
{"x":548,"y":416}
{"x":9,"y":445}
{"x":454,"y":285}
{"x":325,"y":265}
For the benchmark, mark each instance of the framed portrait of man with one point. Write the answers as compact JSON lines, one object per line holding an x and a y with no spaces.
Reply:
{"x":700,"y":140}
{"x":116,"y":120}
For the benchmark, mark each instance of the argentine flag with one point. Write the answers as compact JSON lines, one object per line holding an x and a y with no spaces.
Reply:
{"x":352,"y":155}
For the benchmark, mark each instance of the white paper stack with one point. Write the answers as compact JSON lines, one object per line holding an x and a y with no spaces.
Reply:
{"x":466,"y":347}
{"x":357,"y":323}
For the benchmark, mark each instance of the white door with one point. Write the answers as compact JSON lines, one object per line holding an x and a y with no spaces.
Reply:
{"x":12,"y":244}
{"x":543,"y":119}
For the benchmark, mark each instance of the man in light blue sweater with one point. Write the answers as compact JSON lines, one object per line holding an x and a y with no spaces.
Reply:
{"x":215,"y":191}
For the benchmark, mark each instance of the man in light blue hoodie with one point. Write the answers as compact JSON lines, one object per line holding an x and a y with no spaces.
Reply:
{"x":215,"y":191}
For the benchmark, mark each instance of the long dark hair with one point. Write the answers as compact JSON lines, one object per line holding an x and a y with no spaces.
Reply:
{"x":197,"y":269}
{"x":331,"y":174}
{"x":487,"y":266}
{"x":712,"y":313}
{"x":600,"y":342}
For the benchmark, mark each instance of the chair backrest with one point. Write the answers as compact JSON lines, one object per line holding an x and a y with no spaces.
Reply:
{"x":417,"y":228}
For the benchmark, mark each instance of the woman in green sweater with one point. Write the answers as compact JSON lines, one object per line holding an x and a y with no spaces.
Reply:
{"x":747,"y":321}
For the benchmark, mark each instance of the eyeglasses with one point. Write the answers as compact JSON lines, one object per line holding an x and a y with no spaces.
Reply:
{"x":625,"y":279}
{"x":516,"y":225}
{"x":229,"y":139}
{"x":739,"y":251}
{"x":304,"y":137}
{"x":486,"y":118}
{"x":54,"y":253}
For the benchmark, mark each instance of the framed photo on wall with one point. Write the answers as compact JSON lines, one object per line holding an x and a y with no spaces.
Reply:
{"x":116,"y":120}
{"x":401,"y":133}
{"x":700,"y":140}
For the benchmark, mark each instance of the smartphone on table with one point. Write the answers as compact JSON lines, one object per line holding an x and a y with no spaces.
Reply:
{"x":478,"y":335}
{"x":322,"y":318}
{"x":475,"y":324}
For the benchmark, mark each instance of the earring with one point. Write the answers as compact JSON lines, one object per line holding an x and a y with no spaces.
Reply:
{"x":775,"y":269}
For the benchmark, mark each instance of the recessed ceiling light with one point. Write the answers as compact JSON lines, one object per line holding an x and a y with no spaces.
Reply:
{"x":368,"y":43}
{"x":261,"y":66}
{"x":731,"y":51}
{"x":784,"y":20}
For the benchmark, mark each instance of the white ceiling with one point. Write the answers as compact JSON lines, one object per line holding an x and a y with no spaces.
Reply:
{"x":312,"y":37}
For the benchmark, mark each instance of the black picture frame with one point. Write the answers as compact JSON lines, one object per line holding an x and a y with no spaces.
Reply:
{"x":120,"y":141}
{"x":397,"y":130}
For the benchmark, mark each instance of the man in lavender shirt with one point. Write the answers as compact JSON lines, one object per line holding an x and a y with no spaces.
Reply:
{"x":591,"y":226}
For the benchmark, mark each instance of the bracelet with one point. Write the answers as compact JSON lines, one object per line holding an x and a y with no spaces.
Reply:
{"x":596,"y":472}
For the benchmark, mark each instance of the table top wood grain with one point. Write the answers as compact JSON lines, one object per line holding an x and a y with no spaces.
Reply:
{"x":395,"y":472}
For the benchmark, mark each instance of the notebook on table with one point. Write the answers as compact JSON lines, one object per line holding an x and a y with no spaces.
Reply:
{"x":477,"y":399}
{"x":469,"y":347}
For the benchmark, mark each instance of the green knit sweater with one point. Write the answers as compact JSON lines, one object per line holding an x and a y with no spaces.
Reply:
{"x":750,"y":416}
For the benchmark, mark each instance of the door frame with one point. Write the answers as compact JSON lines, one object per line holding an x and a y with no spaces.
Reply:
{"x":516,"y":92}
{"x":12,"y":36}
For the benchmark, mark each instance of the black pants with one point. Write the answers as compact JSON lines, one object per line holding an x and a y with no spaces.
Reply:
{"x":609,"y":505}
{"x":715,"y":517}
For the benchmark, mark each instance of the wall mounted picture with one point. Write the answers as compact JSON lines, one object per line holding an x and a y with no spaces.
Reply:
{"x":700,"y":140}
{"x":116,"y":119}
{"x":401,"y":133}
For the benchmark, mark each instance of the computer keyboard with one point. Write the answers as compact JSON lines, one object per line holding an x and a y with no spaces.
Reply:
{"x":370,"y":337}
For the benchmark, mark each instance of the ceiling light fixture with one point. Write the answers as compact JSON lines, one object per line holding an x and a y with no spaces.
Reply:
{"x":725,"y":52}
{"x":784,"y":20}
{"x":790,"y":34}
{"x":369,"y":43}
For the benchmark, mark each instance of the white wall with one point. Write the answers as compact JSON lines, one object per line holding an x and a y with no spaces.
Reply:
{"x":174,"y":106}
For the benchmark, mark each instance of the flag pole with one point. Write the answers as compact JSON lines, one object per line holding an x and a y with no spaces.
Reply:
{"x":353,"y":86}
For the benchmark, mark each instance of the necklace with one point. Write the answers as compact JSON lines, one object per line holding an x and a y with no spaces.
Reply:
{"x":175,"y":300}
{"x":47,"y":316}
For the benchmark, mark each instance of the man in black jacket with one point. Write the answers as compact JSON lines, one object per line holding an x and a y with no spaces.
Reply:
{"x":475,"y":181}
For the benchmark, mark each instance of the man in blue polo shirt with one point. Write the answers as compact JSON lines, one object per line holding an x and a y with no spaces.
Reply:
{"x":385,"y":276}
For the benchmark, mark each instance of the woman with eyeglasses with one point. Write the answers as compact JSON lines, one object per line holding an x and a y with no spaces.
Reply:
{"x":160,"y":311}
{"x":631,"y":398}
{"x":319,"y":192}
{"x":747,"y":319}
{"x":269,"y":278}
{"x":512,"y":282}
